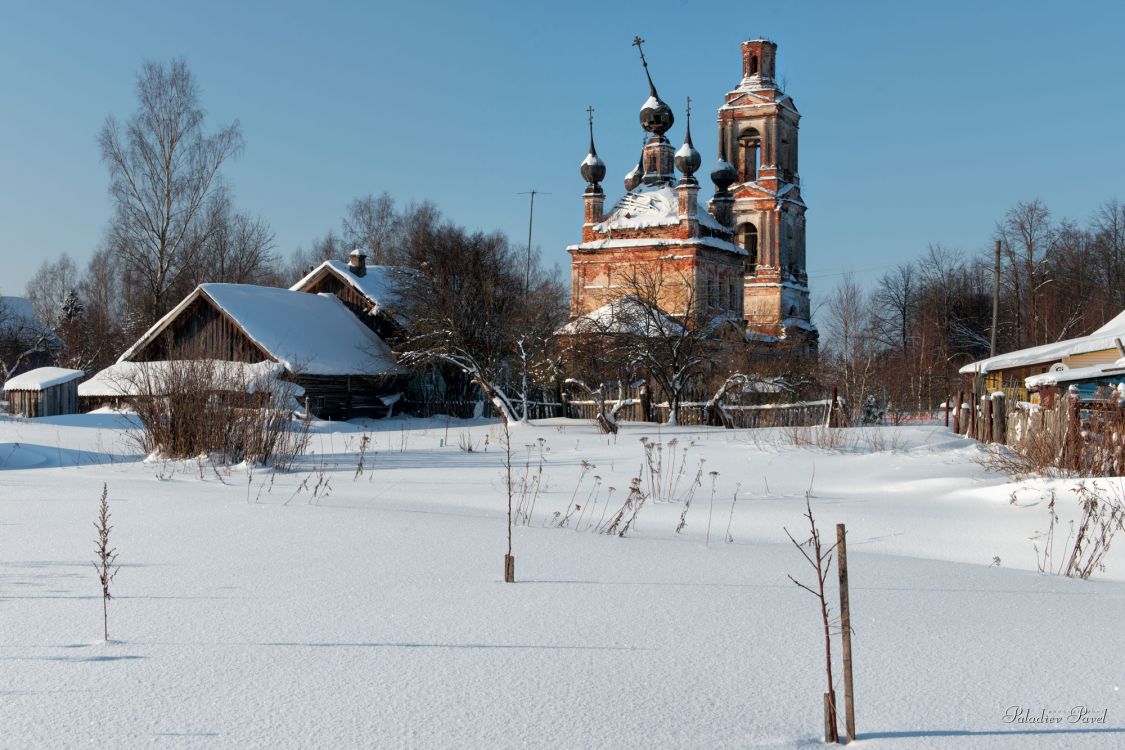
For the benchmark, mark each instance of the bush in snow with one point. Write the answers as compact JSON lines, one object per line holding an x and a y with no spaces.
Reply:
{"x":191,"y":407}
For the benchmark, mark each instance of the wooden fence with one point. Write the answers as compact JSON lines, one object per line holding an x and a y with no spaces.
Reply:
{"x":631,"y":404}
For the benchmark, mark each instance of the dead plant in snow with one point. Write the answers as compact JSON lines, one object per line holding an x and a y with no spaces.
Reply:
{"x":820,"y":560}
{"x":1085,"y":547}
{"x":106,"y":564}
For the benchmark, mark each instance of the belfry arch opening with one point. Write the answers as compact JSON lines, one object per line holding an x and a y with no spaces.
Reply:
{"x":749,"y":148}
{"x":747,"y":235}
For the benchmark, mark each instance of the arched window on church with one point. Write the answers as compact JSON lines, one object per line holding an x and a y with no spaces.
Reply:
{"x":747,"y":235}
{"x":749,"y":147}
{"x":753,"y":65}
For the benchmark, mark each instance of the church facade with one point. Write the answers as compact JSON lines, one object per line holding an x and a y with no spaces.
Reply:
{"x":741,"y":260}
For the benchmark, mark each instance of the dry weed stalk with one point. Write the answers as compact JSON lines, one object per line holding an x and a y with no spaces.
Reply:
{"x":106,"y":564}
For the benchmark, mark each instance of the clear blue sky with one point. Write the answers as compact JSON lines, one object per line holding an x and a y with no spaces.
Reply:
{"x":921,"y":122}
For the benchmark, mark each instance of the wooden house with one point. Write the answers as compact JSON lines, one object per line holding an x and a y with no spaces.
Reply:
{"x":368,"y":291}
{"x":344,"y":368}
{"x":1010,"y":372}
{"x":43,"y":392}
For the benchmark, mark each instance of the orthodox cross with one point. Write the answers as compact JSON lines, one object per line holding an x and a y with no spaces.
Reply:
{"x":637,"y":42}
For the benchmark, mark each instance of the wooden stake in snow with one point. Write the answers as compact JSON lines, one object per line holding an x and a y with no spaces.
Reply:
{"x":106,"y":564}
{"x":509,"y":561}
{"x":820,"y":560}
{"x":845,"y":628}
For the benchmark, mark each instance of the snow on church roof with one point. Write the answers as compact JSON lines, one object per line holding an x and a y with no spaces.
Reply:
{"x":311,"y":334}
{"x":626,"y":314}
{"x":651,"y":206}
{"x":1100,"y":340}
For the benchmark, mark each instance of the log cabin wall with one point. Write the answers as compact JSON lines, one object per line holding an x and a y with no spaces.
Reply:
{"x":383,"y":325}
{"x":202,"y":331}
{"x":348,"y":396}
{"x":328,"y":283}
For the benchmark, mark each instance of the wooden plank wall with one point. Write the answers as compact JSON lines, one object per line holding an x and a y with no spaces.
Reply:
{"x":202,"y":331}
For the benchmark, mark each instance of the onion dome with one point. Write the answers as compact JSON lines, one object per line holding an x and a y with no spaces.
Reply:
{"x":656,"y":116}
{"x":724,"y":174}
{"x":636,"y":175}
{"x":593,"y":168}
{"x":687,"y":158}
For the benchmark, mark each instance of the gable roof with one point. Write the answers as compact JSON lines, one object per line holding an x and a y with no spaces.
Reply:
{"x":310,"y":334}
{"x":1100,"y":340}
{"x":377,"y":284}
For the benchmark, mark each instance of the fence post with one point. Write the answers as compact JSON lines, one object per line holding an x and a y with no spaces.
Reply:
{"x":846,"y":628}
{"x":957,"y":413}
{"x":833,"y":415}
{"x":947,"y":398}
{"x":1071,"y":448}
{"x":986,"y":410}
{"x":999,"y":418}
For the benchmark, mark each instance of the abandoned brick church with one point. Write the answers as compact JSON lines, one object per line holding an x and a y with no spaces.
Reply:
{"x":742,"y":259}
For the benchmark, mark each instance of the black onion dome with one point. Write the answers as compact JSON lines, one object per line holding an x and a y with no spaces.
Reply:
{"x":724,"y":174}
{"x":656,"y":116}
{"x":636,"y":175}
{"x":687,"y":158}
{"x":593,"y":168}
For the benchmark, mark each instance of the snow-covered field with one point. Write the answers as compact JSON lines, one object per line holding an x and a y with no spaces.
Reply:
{"x":254,"y":610}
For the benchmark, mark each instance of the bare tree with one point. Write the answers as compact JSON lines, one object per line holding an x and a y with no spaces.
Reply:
{"x":850,"y":351}
{"x":236,"y":248}
{"x":164,"y":168}
{"x":22,"y":337}
{"x":1026,"y":234}
{"x":820,"y":560}
{"x":464,"y":299}
{"x":50,"y":287}
{"x":372,"y":223}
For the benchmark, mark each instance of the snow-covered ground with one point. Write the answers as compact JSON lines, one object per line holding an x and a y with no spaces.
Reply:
{"x":254,"y":610}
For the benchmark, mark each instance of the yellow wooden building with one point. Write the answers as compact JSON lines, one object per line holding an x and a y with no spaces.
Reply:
{"x":1007,"y":372}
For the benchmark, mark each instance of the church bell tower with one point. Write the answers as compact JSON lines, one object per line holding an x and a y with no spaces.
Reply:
{"x":758,"y":130}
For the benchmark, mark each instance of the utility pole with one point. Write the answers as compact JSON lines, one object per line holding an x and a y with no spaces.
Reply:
{"x":995,"y":299}
{"x":530,"y":222}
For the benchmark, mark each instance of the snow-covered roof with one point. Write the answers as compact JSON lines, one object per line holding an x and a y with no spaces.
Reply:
{"x":715,"y":242}
{"x":1100,"y":340}
{"x":311,"y":334}
{"x":651,"y":206}
{"x":377,"y":284}
{"x":42,"y":378}
{"x":141,"y":378}
{"x":1068,"y":375}
{"x":625,"y":315}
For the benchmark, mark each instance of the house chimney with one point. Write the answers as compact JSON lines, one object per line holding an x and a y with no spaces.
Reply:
{"x":357,"y":262}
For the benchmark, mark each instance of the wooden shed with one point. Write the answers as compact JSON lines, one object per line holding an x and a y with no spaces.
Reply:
{"x":43,"y":392}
